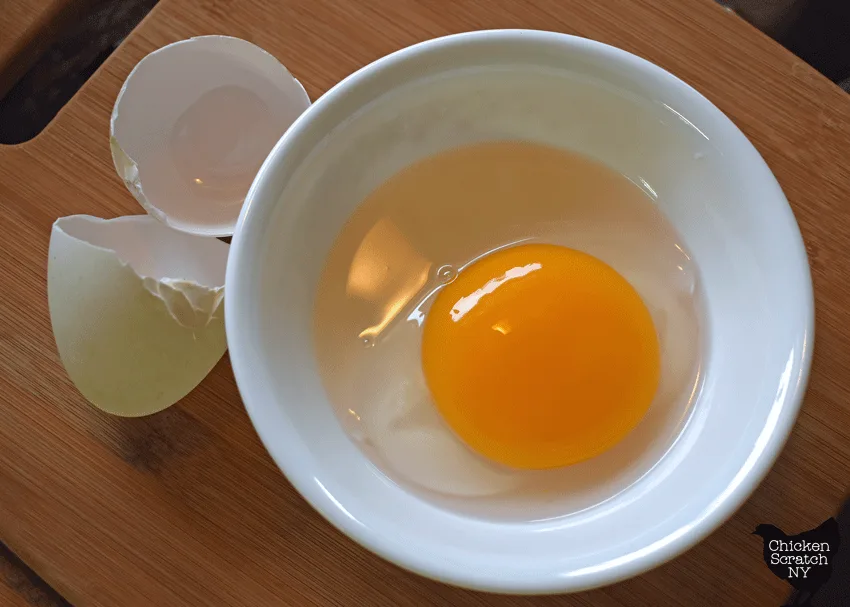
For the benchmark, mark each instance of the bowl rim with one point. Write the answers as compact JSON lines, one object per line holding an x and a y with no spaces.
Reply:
{"x":759,"y":461}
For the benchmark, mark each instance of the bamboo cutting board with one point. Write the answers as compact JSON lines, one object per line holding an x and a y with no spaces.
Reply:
{"x":186,"y":508}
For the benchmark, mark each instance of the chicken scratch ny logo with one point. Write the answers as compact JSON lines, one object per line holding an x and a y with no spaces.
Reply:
{"x":805,"y":560}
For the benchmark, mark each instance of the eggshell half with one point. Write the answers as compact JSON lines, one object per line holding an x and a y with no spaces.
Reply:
{"x":137,"y":309}
{"x":192,"y":125}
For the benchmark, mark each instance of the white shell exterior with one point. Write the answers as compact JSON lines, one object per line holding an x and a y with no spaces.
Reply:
{"x":136,"y":309}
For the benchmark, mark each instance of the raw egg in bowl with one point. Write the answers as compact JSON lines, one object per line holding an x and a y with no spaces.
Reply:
{"x":519,"y":311}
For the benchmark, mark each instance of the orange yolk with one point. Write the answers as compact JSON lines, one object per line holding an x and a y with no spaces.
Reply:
{"x":540,"y":356}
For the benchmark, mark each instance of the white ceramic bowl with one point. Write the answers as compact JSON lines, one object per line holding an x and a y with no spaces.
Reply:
{"x":606,"y":103}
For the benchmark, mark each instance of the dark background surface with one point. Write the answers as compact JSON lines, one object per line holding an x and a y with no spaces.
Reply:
{"x":820,"y":36}
{"x":84,"y":41}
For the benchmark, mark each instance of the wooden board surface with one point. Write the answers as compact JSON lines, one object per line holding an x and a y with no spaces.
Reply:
{"x":186,"y":508}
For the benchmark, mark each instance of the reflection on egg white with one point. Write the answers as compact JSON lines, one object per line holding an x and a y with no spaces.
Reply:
{"x":404,"y":429}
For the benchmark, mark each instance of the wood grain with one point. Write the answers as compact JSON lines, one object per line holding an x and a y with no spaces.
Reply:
{"x":186,"y":508}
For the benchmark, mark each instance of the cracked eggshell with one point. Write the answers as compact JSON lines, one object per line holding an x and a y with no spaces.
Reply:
{"x":137,"y":309}
{"x":192,"y":125}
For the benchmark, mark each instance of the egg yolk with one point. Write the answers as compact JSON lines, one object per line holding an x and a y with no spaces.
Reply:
{"x":540,"y":356}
